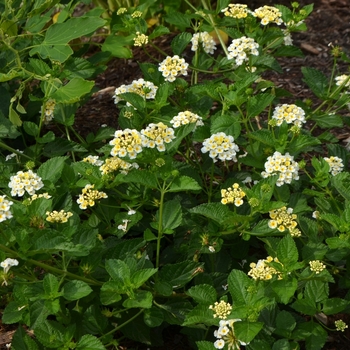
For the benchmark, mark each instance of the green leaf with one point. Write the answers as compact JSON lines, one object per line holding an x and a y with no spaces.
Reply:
{"x":142,"y":299}
{"x":74,"y":290}
{"x":38,"y":313}
{"x":158,"y":31}
{"x":229,"y":124}
{"x":180,"y":20}
{"x":184,"y":183}
{"x":316,"y":290}
{"x":264,"y":136}
{"x":238,"y":283}
{"x":246,"y":331}
{"x":142,"y":177}
{"x":136,"y":100}
{"x":205,"y":345}
{"x":214,"y":211}
{"x":51,"y":170}
{"x":288,"y":51}
{"x":72,"y":91}
{"x":313,"y":334}
{"x":89,"y":342}
{"x":78,"y":67}
{"x":172,"y":215}
{"x":31,"y":128}
{"x":22,"y":341}
{"x":13,"y":312}
{"x":316,"y":81}
{"x":110,"y":292}
{"x":180,"y":42}
{"x":334,"y":305}
{"x":117,"y":45}
{"x":341,"y":182}
{"x":59,"y":146}
{"x":14,"y":117}
{"x":48,"y":335}
{"x":200,"y":314}
{"x":287,"y":251}
{"x":203,"y":294}
{"x":328,"y":120}
{"x":118,"y":270}
{"x":305,"y":306}
{"x":285,"y":324}
{"x":179,"y":274}
{"x":285,"y":289}
{"x":153,"y":317}
{"x":302,"y":143}
{"x":50,"y":285}
{"x":258,"y":103}
{"x":55,"y":44}
{"x":139,"y":277}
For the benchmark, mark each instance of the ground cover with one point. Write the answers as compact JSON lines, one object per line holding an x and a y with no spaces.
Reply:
{"x":195,"y":201}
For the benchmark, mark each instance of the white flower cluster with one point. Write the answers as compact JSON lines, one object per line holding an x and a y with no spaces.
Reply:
{"x":172,"y":67}
{"x":226,"y":335}
{"x":186,"y":117}
{"x":241,"y":48}
{"x":290,"y":114}
{"x":268,"y":14}
{"x":25,"y":181}
{"x":156,"y":135}
{"x":341,"y":79}
{"x":89,"y":196}
{"x":220,"y":146}
{"x":8,"y":263}
{"x":236,"y":11}
{"x":94,"y":160}
{"x":5,"y":205}
{"x":206,"y":40}
{"x":140,"y":39}
{"x":336,"y":165}
{"x":287,"y":37}
{"x":141,"y":87}
{"x":126,"y":142}
{"x":284,"y":165}
{"x":114,"y":163}
{"x":49,"y":110}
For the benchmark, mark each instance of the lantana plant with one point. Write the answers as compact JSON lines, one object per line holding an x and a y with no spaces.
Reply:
{"x":219,"y":207}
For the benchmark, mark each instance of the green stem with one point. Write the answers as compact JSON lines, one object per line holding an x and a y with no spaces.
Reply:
{"x":3,"y":145}
{"x":51,"y":268}
{"x":160,"y":223}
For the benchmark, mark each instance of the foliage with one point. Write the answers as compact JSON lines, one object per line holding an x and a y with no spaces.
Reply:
{"x":218,"y":207}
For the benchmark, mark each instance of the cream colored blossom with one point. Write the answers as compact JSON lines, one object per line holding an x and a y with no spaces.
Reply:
{"x":263,"y":271}
{"x":49,"y":108}
{"x":340,"y":325}
{"x":291,"y":114}
{"x":241,"y":49}
{"x":336,"y":165}
{"x":126,"y":142}
{"x":186,"y":117}
{"x":5,"y":206}
{"x":283,"y":219}
{"x":116,"y":164}
{"x":94,"y":160}
{"x":8,"y":263}
{"x":232,"y":194}
{"x":89,"y":196}
{"x":136,"y":14}
{"x":268,"y":14}
{"x":207,"y":41}
{"x":157,"y":135}
{"x":282,"y":165}
{"x":25,"y":182}
{"x":220,"y":146}
{"x":121,"y":10}
{"x":58,"y":216}
{"x":343,"y":79}
{"x":236,"y":11}
{"x":172,"y":67}
{"x":226,"y":335}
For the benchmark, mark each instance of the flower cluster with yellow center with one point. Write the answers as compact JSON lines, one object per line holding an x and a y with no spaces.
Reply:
{"x":268,"y":14}
{"x":336,"y":165}
{"x":236,"y":11}
{"x":284,"y":219}
{"x":221,"y":310}
{"x":89,"y":196}
{"x":114,"y":163}
{"x":5,"y":205}
{"x":49,"y":108}
{"x":140,"y":39}
{"x":41,"y":195}
{"x":240,"y":50}
{"x":291,"y":114}
{"x":186,"y":117}
{"x":284,"y":166}
{"x":220,"y":146}
{"x":94,"y":160}
{"x":316,"y":266}
{"x":262,"y":271}
{"x":126,"y":142}
{"x":142,"y":87}
{"x":206,"y":40}
{"x":232,"y":194}
{"x":121,"y":10}
{"x":156,"y":135}
{"x":226,"y":335}
{"x":172,"y":67}
{"x":136,"y":14}
{"x":58,"y":216}
{"x":25,"y":181}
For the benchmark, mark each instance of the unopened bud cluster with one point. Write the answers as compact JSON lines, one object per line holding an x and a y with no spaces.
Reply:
{"x":317,"y":266}
{"x":221,"y":310}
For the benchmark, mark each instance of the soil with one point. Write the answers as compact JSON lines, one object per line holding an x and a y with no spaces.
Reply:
{"x":328,"y":24}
